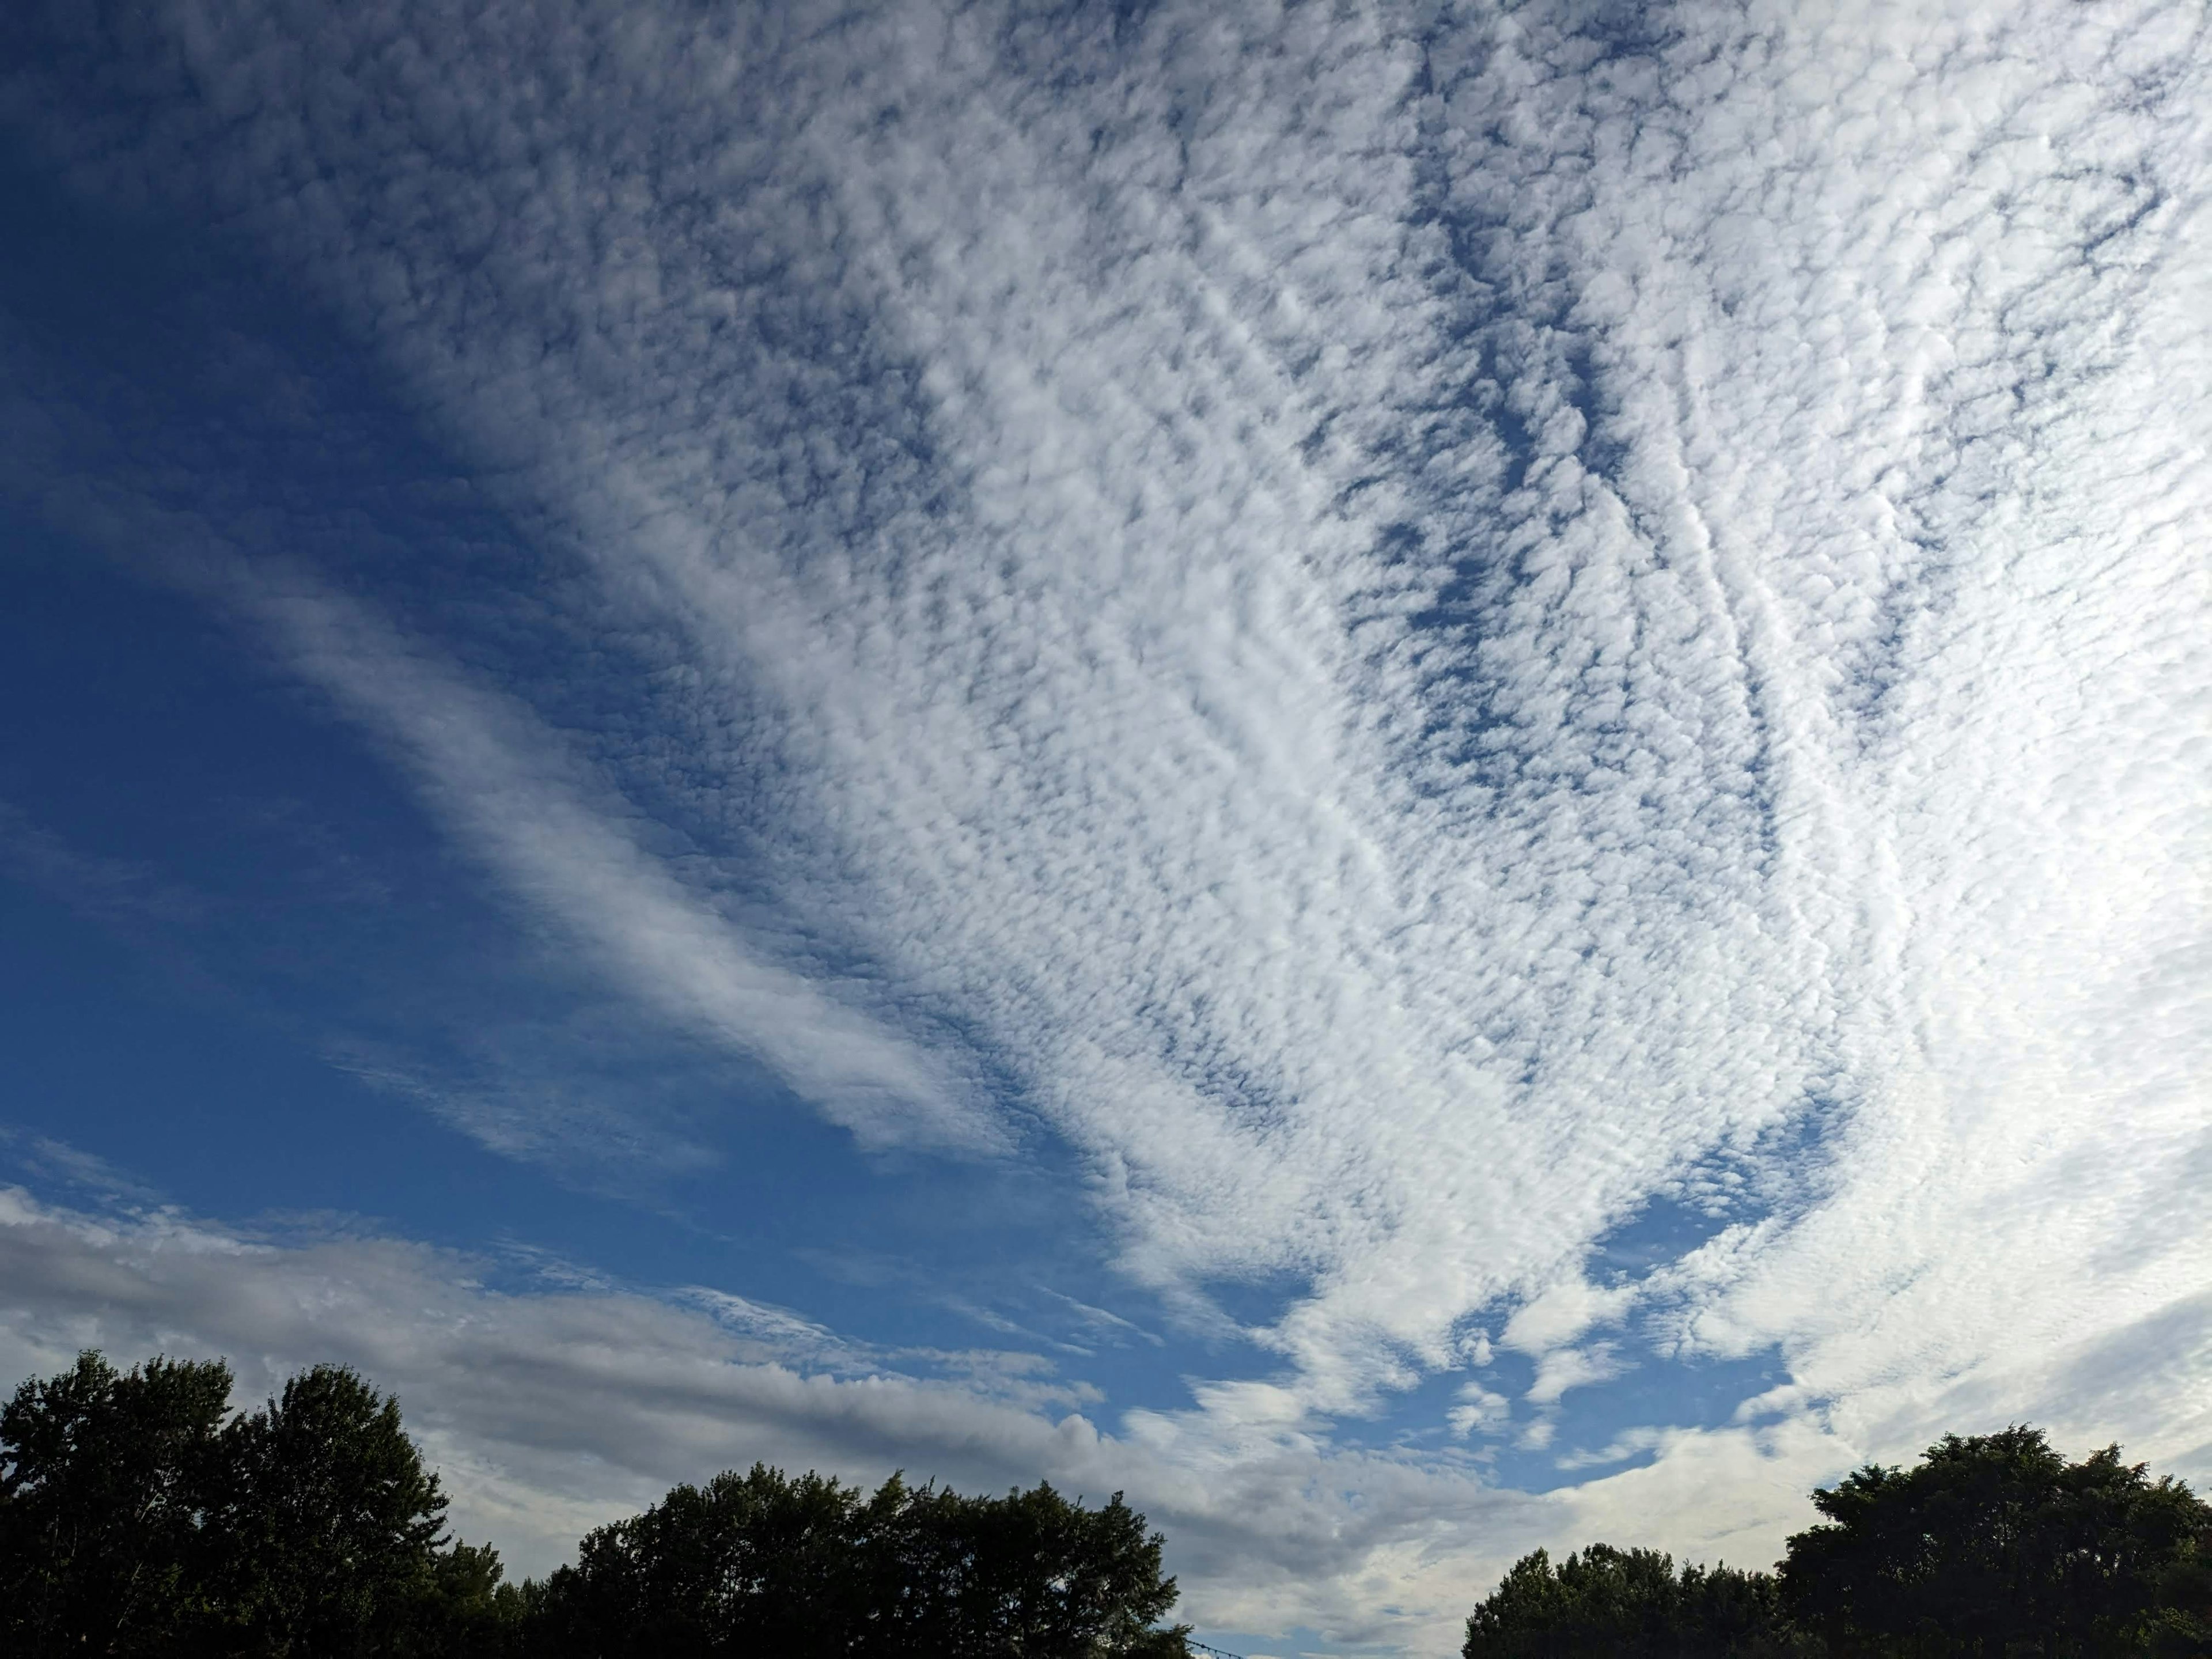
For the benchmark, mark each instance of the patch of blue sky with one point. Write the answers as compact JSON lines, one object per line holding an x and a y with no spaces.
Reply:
{"x":1642,"y":1384}
{"x":1619,"y":1423}
{"x":1615,"y":1423}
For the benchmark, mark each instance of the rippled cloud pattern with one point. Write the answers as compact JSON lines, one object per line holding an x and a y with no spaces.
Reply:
{"x":1529,"y":688}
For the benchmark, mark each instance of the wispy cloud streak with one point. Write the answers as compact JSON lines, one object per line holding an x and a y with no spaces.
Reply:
{"x":509,"y":789}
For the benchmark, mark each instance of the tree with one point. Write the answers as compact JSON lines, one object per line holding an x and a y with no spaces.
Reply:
{"x":747,"y":1562}
{"x":1993,"y":1543}
{"x":2181,"y":1628}
{"x":325,"y":1524}
{"x":765,"y":1563}
{"x":103,"y":1478}
{"x":465,"y":1611}
{"x":1031,"y":1573}
{"x":1607,"y":1603}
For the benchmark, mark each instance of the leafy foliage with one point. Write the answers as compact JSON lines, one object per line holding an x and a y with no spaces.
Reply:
{"x":765,"y":1563}
{"x":323,"y":1523}
{"x":138,"y":1517}
{"x":2181,"y":1626}
{"x":102,"y":1483}
{"x":1991,"y":1544}
{"x":1630,"y":1603}
{"x":1995,"y":1542}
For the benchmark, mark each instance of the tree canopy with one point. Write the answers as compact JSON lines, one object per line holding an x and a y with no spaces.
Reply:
{"x":103,"y":1485}
{"x":1632,"y":1604}
{"x":1994,"y":1543}
{"x":1991,"y":1544}
{"x":764,"y":1563}
{"x":139,"y":1516}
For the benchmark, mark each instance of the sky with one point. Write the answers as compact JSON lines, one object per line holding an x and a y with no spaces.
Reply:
{"x":1426,"y":778}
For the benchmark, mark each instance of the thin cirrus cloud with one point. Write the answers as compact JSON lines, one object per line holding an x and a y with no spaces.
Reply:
{"x":1430,"y":629}
{"x":508,"y":788}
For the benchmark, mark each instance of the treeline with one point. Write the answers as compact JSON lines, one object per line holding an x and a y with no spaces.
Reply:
{"x":1990,"y":1546}
{"x":140,"y":1516}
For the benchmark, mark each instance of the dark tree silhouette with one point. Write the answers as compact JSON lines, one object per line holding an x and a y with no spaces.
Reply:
{"x":766,"y":1563}
{"x":325,"y":1522}
{"x":757,"y":1562}
{"x":2181,"y":1626}
{"x":1993,"y":1544}
{"x":102,"y":1484}
{"x":1032,"y":1573}
{"x":138,"y":1517}
{"x":1604,"y":1603}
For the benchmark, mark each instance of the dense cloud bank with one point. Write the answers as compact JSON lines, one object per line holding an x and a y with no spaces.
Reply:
{"x":1416,"y":630}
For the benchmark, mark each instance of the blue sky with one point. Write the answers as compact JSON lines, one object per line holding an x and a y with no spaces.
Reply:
{"x":1424,"y":778}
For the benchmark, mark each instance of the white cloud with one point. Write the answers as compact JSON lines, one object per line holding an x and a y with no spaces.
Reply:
{"x":560,"y":835}
{"x":1564,"y":1312}
{"x":1628,"y":1442}
{"x":1574,"y":1368}
{"x":1478,"y":1408}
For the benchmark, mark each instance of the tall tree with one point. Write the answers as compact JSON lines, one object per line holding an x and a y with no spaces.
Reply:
{"x":1032,"y":1573}
{"x":103,"y":1482}
{"x":807,"y":1567}
{"x":752,"y":1562}
{"x":466,"y":1611}
{"x":326,"y":1523}
{"x":1992,"y":1542}
{"x":1606,"y":1604}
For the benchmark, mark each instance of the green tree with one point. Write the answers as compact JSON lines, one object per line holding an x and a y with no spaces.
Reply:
{"x":136,"y":1517}
{"x":747,"y":1563}
{"x":465,"y":1610}
{"x":325,"y":1524}
{"x":103,"y":1478}
{"x":2181,"y":1626}
{"x":1606,"y":1604}
{"x":1993,"y":1544}
{"x":806,"y":1566}
{"x":1032,"y":1573}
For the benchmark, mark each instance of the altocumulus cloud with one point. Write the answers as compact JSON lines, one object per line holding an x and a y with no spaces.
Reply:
{"x":1427,"y":625}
